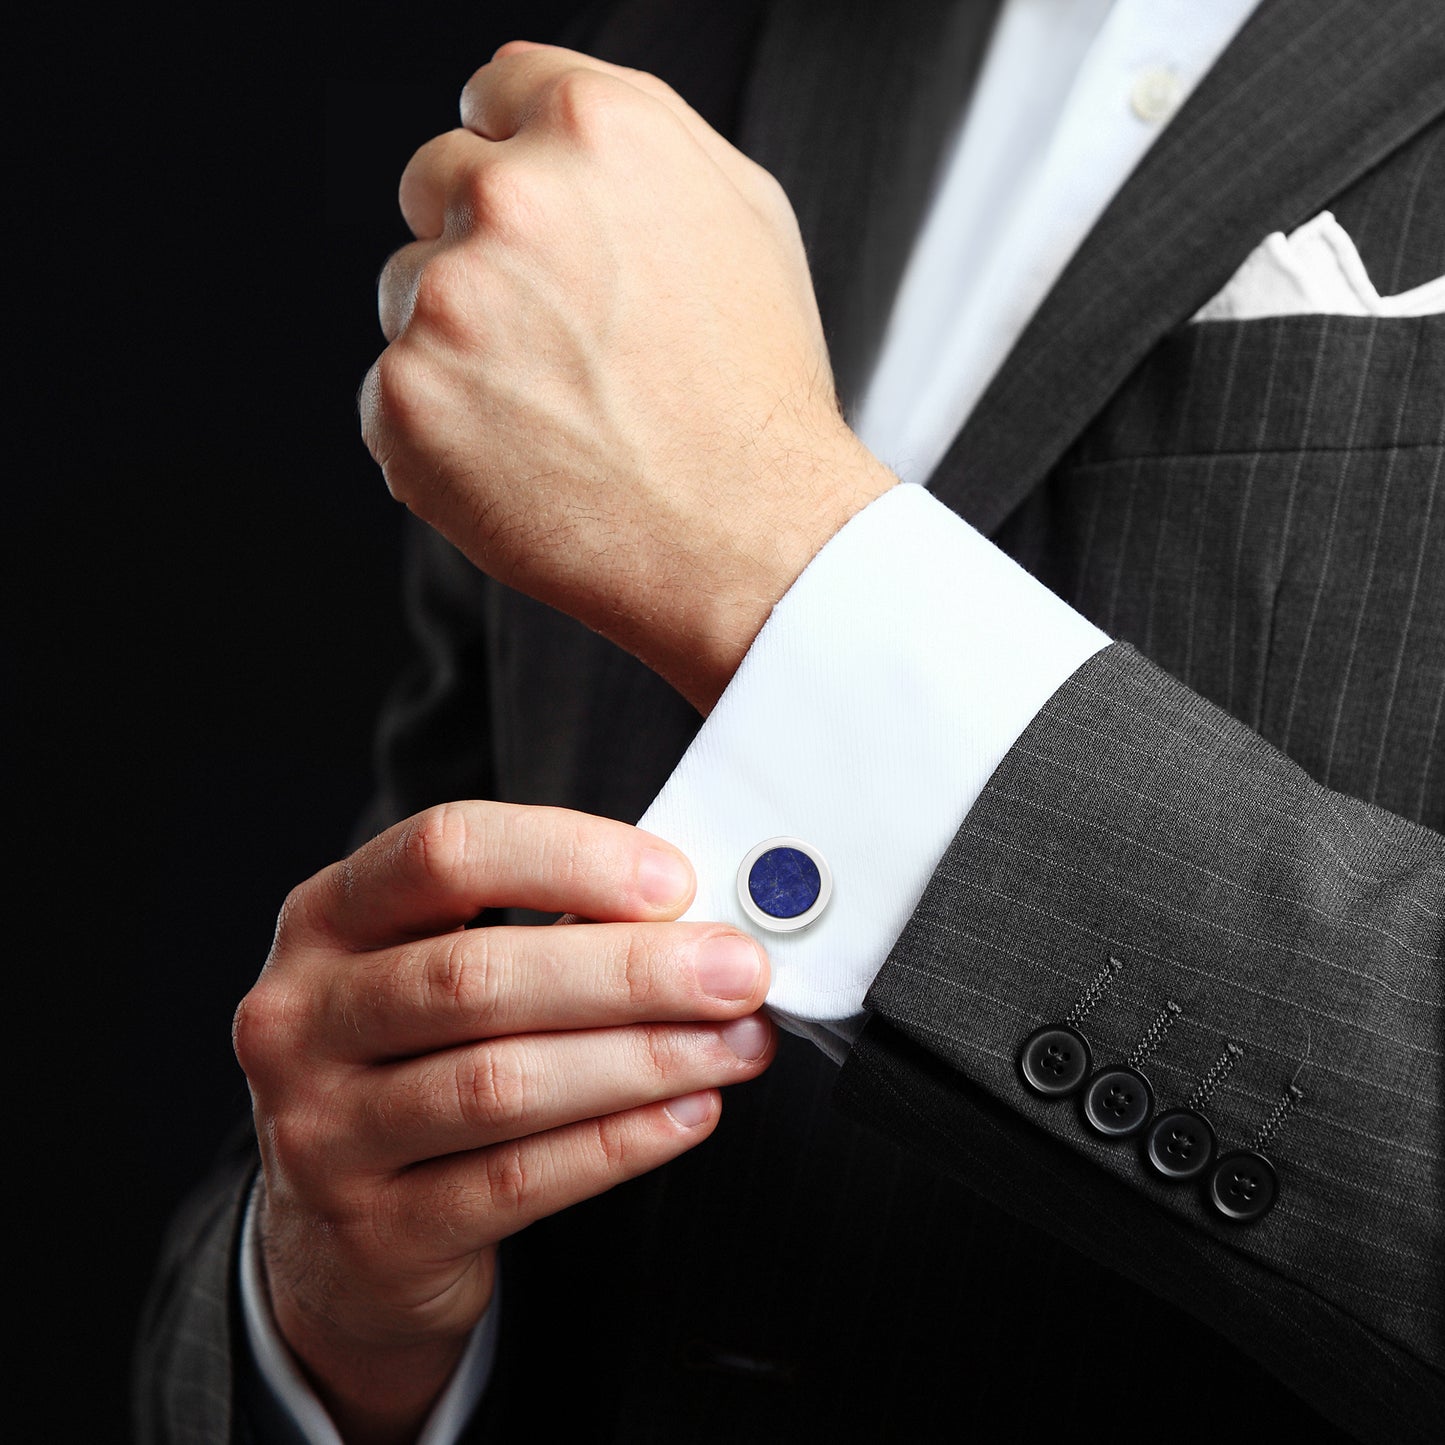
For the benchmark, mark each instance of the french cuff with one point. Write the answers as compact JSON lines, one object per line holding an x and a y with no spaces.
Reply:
{"x":281,"y":1376}
{"x":866,"y":718}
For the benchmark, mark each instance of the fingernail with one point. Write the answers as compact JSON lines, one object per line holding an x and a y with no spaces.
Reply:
{"x":747,"y":1038}
{"x":728,"y":966}
{"x":663,"y":877}
{"x":692,"y":1109}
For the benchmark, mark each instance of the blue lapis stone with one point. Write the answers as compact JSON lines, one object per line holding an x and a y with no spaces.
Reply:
{"x":784,"y":882}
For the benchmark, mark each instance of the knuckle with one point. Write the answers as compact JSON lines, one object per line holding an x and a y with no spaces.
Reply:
{"x":343,"y":884}
{"x":639,"y":979}
{"x":770,"y":191}
{"x":272,"y":1014}
{"x":657,"y":1055}
{"x":394,"y":405}
{"x":394,"y":281}
{"x":492,"y":1089}
{"x":297,"y":916}
{"x":246,"y":1034}
{"x":437,"y":844}
{"x":258,"y":1029}
{"x":443,"y":300}
{"x":464,"y":976}
{"x":498,"y":194}
{"x":585,"y":106}
{"x":295,"y":1137}
{"x":395,"y":293}
{"x":645,"y":80}
{"x":614,"y":1146}
{"x":375,"y":433}
{"x":768,"y":198}
{"x":764,"y":180}
{"x":293,"y":909}
{"x":505,"y":1178}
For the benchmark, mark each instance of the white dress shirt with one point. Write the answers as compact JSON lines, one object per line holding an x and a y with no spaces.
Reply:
{"x":908,"y":658}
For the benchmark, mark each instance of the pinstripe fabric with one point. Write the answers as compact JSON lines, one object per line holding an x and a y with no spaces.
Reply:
{"x":1135,"y":819}
{"x":184,"y":1361}
{"x":1255,"y":507}
{"x":1281,"y":557}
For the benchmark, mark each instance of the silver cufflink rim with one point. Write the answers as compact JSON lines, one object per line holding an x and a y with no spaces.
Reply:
{"x":767,"y":920}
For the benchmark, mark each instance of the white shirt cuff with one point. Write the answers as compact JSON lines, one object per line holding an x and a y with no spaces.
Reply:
{"x":866,"y":718}
{"x":281,"y":1375}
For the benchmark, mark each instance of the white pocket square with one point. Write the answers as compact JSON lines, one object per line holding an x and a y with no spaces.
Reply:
{"x":1315,"y":269}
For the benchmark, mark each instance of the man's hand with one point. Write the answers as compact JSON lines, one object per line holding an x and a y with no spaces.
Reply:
{"x":606,"y":381}
{"x":422,"y":1090}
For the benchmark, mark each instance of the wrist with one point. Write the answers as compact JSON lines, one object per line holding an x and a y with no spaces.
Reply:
{"x":376,"y":1393}
{"x":734,"y":592}
{"x":377,"y":1366}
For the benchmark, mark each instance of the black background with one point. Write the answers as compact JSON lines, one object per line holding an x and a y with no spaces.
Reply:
{"x":203,"y":564}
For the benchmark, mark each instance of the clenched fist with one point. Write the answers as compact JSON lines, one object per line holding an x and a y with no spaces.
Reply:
{"x":423,"y":1090}
{"x":606,"y":381}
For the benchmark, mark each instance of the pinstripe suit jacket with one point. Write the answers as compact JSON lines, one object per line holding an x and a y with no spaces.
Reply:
{"x":1242,"y":800}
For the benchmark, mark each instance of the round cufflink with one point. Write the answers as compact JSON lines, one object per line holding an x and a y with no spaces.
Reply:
{"x":784,"y":884}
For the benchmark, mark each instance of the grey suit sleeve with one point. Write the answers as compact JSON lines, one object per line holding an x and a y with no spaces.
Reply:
{"x":1135,"y":820}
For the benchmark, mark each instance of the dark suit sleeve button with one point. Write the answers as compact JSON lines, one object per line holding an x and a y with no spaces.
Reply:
{"x":1179,"y":1145}
{"x":1054,"y":1060}
{"x":1118,"y":1102}
{"x":1243,"y":1186}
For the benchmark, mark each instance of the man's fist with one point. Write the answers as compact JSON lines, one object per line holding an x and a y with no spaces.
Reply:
{"x":606,"y":380}
{"x":423,"y":1090}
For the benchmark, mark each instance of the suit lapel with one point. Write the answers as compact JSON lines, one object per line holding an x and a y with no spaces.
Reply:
{"x":1308,"y":97}
{"x":850,"y":104}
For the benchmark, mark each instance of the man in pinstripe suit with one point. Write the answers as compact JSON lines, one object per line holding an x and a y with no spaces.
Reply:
{"x":1248,"y":824}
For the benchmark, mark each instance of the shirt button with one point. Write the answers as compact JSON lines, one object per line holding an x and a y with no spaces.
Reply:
{"x":1243,"y":1186}
{"x":1118,"y":1102}
{"x":784,"y":884}
{"x":1054,"y":1060}
{"x":1156,"y":94}
{"x":1179,"y":1145}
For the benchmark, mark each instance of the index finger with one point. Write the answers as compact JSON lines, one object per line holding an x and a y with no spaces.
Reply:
{"x":436,"y":871}
{"x":500,"y":97}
